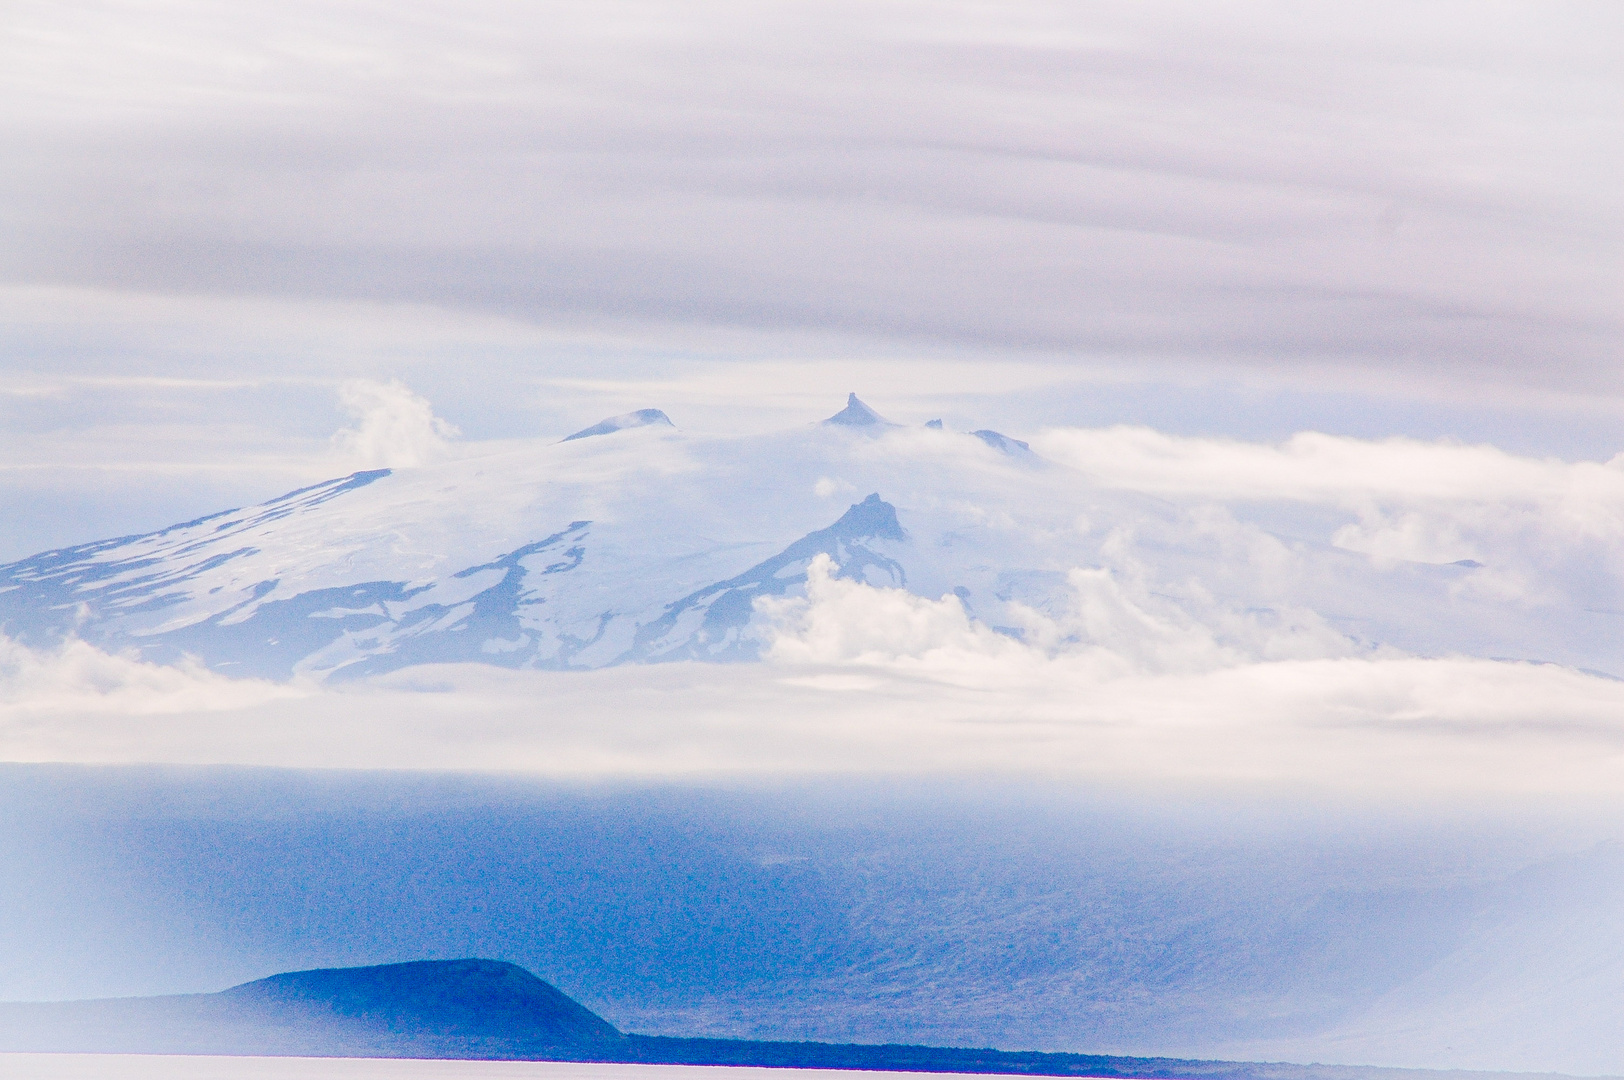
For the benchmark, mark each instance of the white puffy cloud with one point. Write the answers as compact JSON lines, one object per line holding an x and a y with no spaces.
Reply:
{"x":1199,"y":638}
{"x":395,"y":428}
{"x":76,"y":678}
{"x":1134,"y":685}
{"x":1314,"y":467}
{"x":870,"y":680}
{"x":843,"y":621}
{"x":1112,"y":626}
{"x":1540,"y":526}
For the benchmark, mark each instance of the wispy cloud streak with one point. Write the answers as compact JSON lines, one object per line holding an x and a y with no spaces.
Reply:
{"x":1419,"y":194}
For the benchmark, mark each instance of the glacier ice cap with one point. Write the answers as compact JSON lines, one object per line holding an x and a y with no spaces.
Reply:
{"x":640,"y":418}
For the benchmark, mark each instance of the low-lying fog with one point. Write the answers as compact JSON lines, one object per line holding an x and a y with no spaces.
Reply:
{"x":1039,"y":915}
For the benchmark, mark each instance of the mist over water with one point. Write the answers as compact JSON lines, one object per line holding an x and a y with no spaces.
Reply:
{"x":1031,"y":916}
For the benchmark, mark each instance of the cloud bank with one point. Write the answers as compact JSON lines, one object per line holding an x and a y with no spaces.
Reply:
{"x":77,"y":679}
{"x":1201,"y":640}
{"x":1541,"y":531}
{"x":864,"y":680}
{"x":1314,"y":467}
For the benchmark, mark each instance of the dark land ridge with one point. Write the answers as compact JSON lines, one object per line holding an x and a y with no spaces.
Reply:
{"x":489,"y":1009}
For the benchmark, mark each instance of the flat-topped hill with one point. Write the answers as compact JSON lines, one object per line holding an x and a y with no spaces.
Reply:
{"x":489,"y":1009}
{"x":431,"y":1008}
{"x":475,"y":999}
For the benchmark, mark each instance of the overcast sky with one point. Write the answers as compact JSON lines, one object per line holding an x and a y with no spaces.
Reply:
{"x":1364,"y":219}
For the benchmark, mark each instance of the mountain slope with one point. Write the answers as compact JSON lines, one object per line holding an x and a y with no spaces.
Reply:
{"x":643,"y":543}
{"x":638,"y":544}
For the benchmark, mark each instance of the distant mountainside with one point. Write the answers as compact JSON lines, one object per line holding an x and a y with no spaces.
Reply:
{"x":626,"y":542}
{"x":488,"y":1009}
{"x":632,"y":541}
{"x":450,"y":1008}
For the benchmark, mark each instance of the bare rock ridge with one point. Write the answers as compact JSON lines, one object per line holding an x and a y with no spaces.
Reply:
{"x":1003,"y":442}
{"x":858,"y":414}
{"x":492,"y":1010}
{"x":640,"y":418}
{"x":726,"y":606}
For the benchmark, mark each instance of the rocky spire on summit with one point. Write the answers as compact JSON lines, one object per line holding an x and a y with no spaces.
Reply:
{"x":856,"y":414}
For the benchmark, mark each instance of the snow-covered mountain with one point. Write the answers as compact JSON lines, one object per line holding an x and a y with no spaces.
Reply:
{"x":633,"y":541}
